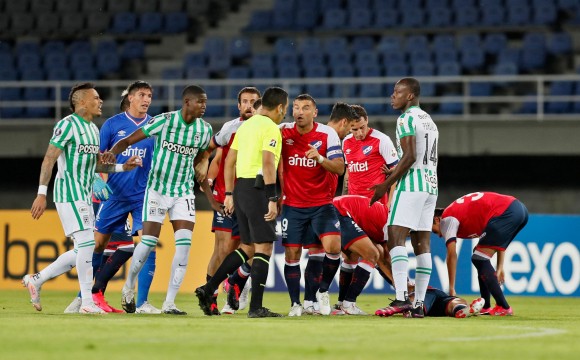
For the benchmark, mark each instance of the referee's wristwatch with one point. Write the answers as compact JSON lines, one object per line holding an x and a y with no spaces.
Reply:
{"x":273,"y":198}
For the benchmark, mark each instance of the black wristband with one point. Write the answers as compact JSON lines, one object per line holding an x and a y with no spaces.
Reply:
{"x":270,"y":190}
{"x":228,"y":193}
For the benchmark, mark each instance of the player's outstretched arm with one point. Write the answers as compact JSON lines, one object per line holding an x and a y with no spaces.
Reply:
{"x":451,"y":261}
{"x":129,"y":165}
{"x":39,"y":204}
{"x":109,"y":157}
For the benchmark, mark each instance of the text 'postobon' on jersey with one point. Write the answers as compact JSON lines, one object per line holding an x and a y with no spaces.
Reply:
{"x":79,"y":141}
{"x":422,"y":176}
{"x":176,"y":146}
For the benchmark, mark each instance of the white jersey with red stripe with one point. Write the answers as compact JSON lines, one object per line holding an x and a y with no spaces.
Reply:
{"x":371,"y":219}
{"x":305,"y":182}
{"x":364,"y":159}
{"x":223,"y":139}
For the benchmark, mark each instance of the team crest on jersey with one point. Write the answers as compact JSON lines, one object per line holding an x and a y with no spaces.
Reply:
{"x":151,"y":121}
{"x":272,"y":143}
{"x":317,"y":144}
{"x":57,"y":132}
{"x":393,"y":152}
{"x":289,"y":142}
{"x":367,"y":149}
{"x":122,"y":133}
{"x":197,"y":138}
{"x":167,"y":116}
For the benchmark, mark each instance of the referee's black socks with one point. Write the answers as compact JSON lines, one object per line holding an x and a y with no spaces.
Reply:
{"x":259,"y":274}
{"x":230,"y":264}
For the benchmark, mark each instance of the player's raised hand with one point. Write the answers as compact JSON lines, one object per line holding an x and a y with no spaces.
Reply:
{"x":380,"y":191}
{"x":108,"y":158}
{"x":38,"y":207}
{"x":132,"y":163}
{"x":101,"y":189}
{"x":312,"y":153}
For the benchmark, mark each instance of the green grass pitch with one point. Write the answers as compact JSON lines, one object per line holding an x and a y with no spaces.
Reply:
{"x":542,"y":328}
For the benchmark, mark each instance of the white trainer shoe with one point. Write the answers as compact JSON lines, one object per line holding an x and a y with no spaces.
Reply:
{"x":295,"y":310}
{"x":128,"y":300}
{"x":170,"y":308}
{"x":91,"y":309}
{"x":33,"y":290}
{"x":324,"y":302}
{"x":147,"y":308}
{"x":227,"y":310}
{"x":350,"y":308}
{"x":74,"y":306}
{"x":244,"y":294}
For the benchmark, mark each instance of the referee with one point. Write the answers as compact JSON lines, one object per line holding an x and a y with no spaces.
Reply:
{"x":252,"y":160}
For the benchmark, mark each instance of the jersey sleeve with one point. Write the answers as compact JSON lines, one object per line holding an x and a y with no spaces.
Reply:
{"x":272,"y":140}
{"x":207,"y":139}
{"x":155,"y":125}
{"x":62,"y":134}
{"x":105,"y":135}
{"x":449,"y":227}
{"x":334,"y":147}
{"x":222,"y":137}
{"x":406,"y":125}
{"x":388,"y":151}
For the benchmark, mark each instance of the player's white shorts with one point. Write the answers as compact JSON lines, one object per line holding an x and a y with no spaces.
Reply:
{"x":155,"y":206}
{"x":413,"y":210}
{"x":75,"y":216}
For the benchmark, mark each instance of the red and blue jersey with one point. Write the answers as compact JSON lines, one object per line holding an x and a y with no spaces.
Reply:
{"x":371,"y":219}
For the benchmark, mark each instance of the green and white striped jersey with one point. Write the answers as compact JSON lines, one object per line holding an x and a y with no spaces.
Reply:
{"x":176,"y":146}
{"x":79,"y":141}
{"x":422,"y":176}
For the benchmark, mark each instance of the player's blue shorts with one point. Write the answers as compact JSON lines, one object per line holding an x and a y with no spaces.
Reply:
{"x":112,"y":216}
{"x":350,"y":232}
{"x":298,"y":224}
{"x":502,"y":229}
{"x":226,"y":223}
{"x":436,"y":302}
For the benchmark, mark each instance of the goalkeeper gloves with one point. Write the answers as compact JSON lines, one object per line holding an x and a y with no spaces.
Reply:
{"x":101,"y":190}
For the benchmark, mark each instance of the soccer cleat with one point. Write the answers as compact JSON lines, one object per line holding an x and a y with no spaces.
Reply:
{"x":227,"y":310}
{"x":500,"y":311}
{"x":324,"y":301}
{"x":262,"y":313}
{"x":100,"y":301}
{"x":33,"y":290}
{"x":234,"y":296}
{"x":244,"y":294}
{"x":350,"y":308}
{"x":205,"y":300}
{"x":91,"y":309}
{"x":74,"y":306}
{"x":147,"y":308}
{"x":313,"y":309}
{"x":296,"y":310}
{"x":171,"y":309}
{"x":476,"y":306}
{"x":395,"y":307}
{"x":128,"y":300}
{"x":214,"y":309}
{"x":485,"y":311}
{"x":337,"y":312}
{"x":416,"y":312}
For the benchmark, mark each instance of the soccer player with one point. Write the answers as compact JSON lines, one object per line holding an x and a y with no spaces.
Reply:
{"x":496,"y":219}
{"x":366,"y":152}
{"x":75,"y":145}
{"x":128,"y":190}
{"x":310,"y":150}
{"x":253,"y":195}
{"x":182,"y":137}
{"x":227,"y":238}
{"x":415,"y":196}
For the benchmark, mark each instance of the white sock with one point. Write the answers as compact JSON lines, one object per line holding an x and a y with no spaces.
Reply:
{"x":423,"y":274}
{"x":179,"y":264}
{"x":400,"y":266}
{"x":85,"y":244}
{"x":140,"y":255}
{"x":62,"y":264}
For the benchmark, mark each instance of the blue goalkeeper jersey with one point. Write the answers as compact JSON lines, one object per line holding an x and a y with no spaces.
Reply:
{"x":130,"y":185}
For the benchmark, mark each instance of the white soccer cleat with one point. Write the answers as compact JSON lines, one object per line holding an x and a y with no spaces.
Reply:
{"x":128,"y":300}
{"x":472,"y":310}
{"x":324,"y":302}
{"x":147,"y":308}
{"x":74,"y":306}
{"x":350,"y":308}
{"x":295,"y":310}
{"x":91,"y":309}
{"x":244,"y":294}
{"x":171,"y":309}
{"x":227,"y":310}
{"x":33,"y":290}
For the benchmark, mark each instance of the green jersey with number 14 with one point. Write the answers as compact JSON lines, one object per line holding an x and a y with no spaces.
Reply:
{"x":422,"y":176}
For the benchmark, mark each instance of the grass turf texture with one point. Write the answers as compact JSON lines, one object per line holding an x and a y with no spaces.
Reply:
{"x":543,"y":328}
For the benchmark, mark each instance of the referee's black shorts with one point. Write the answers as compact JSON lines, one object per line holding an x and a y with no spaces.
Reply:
{"x":251,"y":205}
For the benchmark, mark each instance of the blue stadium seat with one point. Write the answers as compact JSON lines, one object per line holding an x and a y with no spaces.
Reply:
{"x":282,"y":21}
{"x":32,"y":74}
{"x":443,"y":55}
{"x":124,"y":23}
{"x":150,"y":23}
{"x":361,"y":43}
{"x":339,"y":58}
{"x":260,"y":20}
{"x":334,"y":19}
{"x":443,"y":41}
{"x":373,"y":91}
{"x":214,"y":92}
{"x":518,"y":15}
{"x":238,"y":72}
{"x":55,"y":60}
{"x":106,"y":46}
{"x":175,"y":23}
{"x":533,"y":59}
{"x":420,"y":55}
{"x":560,"y":88}
{"x":27,"y":47}
{"x":386,"y":18}
{"x":240,"y":48}
{"x":545,"y":14}
{"x":331,"y":4}
{"x":195,"y":59}
{"x":316,"y":58}
{"x":262,"y":72}
{"x":352,"y":5}
{"x":306,"y":19}
{"x":341,"y":71}
{"x":448,"y":68}
{"x":396,"y":70}
{"x":534,"y":40}
{"x":284,"y":60}
{"x":315,"y":72}
{"x":107,"y":62}
{"x":284,"y":45}
{"x":472,"y":59}
{"x":494,"y":43}
{"x":318,"y":90}
{"x":366,"y":58}
{"x":393,"y":56}
{"x":467,"y":41}
{"x":410,"y":5}
{"x":286,"y":7}
{"x":466,"y":16}
{"x":492,"y":16}
{"x":58,"y":74}
{"x":133,"y":49}
{"x":6,"y":61}
{"x":28,"y":61}
{"x":309,"y":45}
{"x":214,"y":45}
{"x":262,"y":60}
{"x":439,"y":17}
{"x":452,"y":108}
{"x":416,"y":42}
{"x":53,"y":46}
{"x":560,"y":43}
{"x":505,"y":68}
{"x":423,"y":68}
{"x":37,"y":94}
{"x":369,"y":71}
{"x":359,"y":18}
{"x":343,"y":90}
{"x":219,"y":62}
{"x":390,"y":43}
{"x":79,"y":46}
{"x":413,"y":19}
{"x":193,"y":73}
{"x":85,"y":74}
{"x":335,"y":43}
{"x":480,"y":89}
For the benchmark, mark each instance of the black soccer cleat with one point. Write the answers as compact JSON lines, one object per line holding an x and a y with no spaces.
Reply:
{"x":205,"y":300}
{"x":214,"y":306}
{"x":234,"y":296}
{"x":262,"y":313}
{"x":416,"y":312}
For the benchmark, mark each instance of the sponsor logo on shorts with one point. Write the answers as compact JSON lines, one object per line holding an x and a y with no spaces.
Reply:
{"x":161,"y":212}
{"x":153,"y":203}
{"x":152,"y":211}
{"x":86,"y":220}
{"x":84,"y":209}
